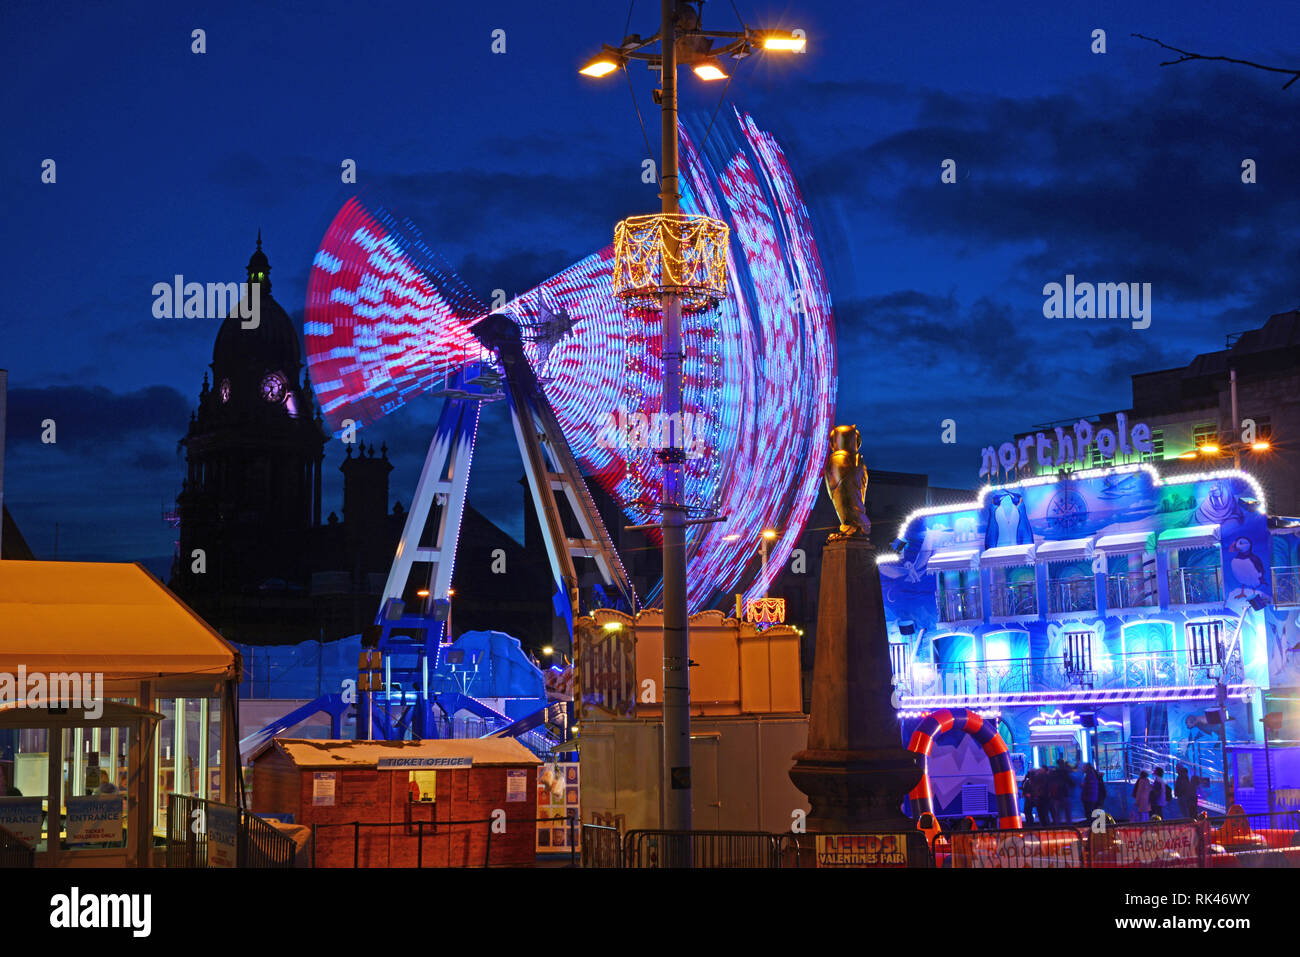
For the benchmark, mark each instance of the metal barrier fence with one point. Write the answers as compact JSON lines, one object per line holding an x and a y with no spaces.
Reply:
{"x":602,"y":846}
{"x":261,"y":845}
{"x":192,"y":822}
{"x":663,"y":848}
{"x":15,"y":852}
{"x":1240,"y":840}
{"x":421,"y":831}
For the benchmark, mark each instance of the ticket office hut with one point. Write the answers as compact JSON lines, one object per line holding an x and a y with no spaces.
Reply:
{"x":74,"y":631}
{"x":413,"y":790}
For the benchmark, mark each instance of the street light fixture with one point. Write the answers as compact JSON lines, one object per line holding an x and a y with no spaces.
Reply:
{"x":602,"y":65}
{"x":710,"y":69}
{"x":680,"y":39}
{"x":783,"y":42}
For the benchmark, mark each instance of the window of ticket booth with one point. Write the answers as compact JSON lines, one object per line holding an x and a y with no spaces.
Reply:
{"x":24,"y":807}
{"x":187,"y":752}
{"x":75,"y":775}
{"x":94,"y":785}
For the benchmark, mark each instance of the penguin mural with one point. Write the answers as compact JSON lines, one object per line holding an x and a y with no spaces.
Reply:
{"x":1247,"y":568}
{"x":1007,"y":520}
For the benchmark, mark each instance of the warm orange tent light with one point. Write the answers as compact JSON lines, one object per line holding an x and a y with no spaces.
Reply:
{"x":1261,"y":446}
{"x":422,"y":593}
{"x":602,"y":65}
{"x":1188,"y":455}
{"x":710,"y":69}
{"x":784,"y":42}
{"x":1209,"y":449}
{"x":770,"y":534}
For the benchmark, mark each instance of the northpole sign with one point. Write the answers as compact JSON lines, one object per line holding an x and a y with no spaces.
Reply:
{"x":1071,"y":446}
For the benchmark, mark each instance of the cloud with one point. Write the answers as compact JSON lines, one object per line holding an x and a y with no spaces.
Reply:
{"x":90,"y":417}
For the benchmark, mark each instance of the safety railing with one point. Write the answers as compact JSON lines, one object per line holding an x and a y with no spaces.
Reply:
{"x":1015,"y":601}
{"x":1151,"y":669}
{"x":1071,"y":596}
{"x":15,"y":852}
{"x":261,"y":845}
{"x":1286,"y":585}
{"x":1132,"y":590}
{"x":960,"y":604}
{"x":192,"y":821}
{"x":1195,"y":586}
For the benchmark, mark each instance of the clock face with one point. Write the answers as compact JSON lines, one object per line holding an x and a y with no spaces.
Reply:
{"x":274,"y":387}
{"x":225,"y":390}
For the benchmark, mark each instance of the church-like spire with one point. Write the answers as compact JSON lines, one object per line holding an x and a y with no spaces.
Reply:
{"x":259,"y":267}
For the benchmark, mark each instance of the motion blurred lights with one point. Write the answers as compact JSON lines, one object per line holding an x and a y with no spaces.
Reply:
{"x":387,"y":321}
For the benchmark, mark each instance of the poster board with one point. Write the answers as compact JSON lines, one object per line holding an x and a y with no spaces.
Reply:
{"x":557,"y":802}
{"x":862,"y":850}
{"x":322,"y":788}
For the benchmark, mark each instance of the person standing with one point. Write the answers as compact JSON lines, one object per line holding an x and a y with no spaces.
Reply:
{"x":1159,"y":795}
{"x":1185,"y":792}
{"x":1060,"y":787}
{"x":1042,"y":796}
{"x":1027,"y":791}
{"x":1142,"y":797}
{"x":1089,"y":791}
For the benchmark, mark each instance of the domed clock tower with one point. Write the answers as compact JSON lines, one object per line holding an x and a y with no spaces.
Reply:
{"x":254,"y":452}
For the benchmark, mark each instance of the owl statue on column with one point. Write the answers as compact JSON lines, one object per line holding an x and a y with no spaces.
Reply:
{"x":846,"y":482}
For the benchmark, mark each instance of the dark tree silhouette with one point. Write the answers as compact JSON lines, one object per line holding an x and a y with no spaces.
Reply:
{"x":1186,"y":55}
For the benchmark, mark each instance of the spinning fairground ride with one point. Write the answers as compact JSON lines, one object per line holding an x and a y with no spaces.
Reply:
{"x":579,"y":366}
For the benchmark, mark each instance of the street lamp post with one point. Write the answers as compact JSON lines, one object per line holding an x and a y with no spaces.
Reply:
{"x":698,"y":52}
{"x":769,"y":536}
{"x":677,"y":675}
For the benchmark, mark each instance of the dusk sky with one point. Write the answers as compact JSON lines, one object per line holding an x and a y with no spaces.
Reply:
{"x":1105,"y":166}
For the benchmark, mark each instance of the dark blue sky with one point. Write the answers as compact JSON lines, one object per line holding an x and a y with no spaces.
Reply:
{"x":1106,"y":166}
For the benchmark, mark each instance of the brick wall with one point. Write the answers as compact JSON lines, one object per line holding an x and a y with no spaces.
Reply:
{"x":372,"y":796}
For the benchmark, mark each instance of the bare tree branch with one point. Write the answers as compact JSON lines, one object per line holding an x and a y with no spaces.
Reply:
{"x":1185,"y":55}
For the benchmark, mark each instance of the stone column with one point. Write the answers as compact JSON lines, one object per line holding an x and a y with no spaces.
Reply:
{"x":855,"y":770}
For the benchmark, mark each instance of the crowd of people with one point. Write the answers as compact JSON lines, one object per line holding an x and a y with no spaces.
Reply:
{"x":1049,"y":793}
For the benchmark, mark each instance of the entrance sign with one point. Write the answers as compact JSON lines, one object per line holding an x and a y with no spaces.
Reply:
{"x":95,"y":820}
{"x":21,"y":817}
{"x":223,"y":831}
